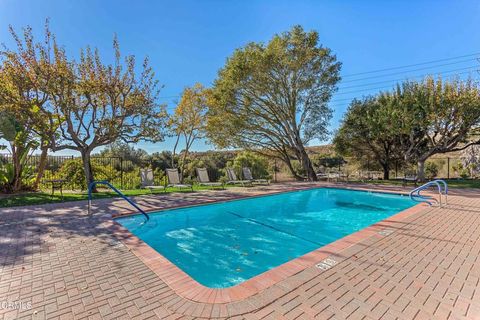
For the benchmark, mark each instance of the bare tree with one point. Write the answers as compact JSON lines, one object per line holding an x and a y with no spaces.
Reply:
{"x":188,"y":120}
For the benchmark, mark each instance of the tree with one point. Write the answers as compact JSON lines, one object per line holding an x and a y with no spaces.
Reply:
{"x":25,"y":75}
{"x":188,"y":120}
{"x":86,"y":104}
{"x":367,"y":131}
{"x":470,"y":159}
{"x":272,"y":98}
{"x":161,"y":160}
{"x":436,"y":116}
{"x":20,"y":143}
{"x":125,"y":151}
{"x":328,"y":160}
{"x":98,"y":104}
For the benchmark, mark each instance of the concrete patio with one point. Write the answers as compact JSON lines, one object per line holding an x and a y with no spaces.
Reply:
{"x":56,"y":263}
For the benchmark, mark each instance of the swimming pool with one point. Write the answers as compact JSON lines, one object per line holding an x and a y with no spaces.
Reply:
{"x":224,"y":244}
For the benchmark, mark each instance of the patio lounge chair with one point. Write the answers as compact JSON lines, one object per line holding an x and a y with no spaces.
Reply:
{"x":337,"y":177}
{"x":247,"y":174}
{"x":322,"y":176}
{"x":146,"y":177}
{"x":232,"y":178}
{"x":174,"y":180}
{"x":204,"y":179}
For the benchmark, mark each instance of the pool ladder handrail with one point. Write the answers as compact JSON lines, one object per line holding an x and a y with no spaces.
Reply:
{"x":441,"y":192}
{"x":124,"y":197}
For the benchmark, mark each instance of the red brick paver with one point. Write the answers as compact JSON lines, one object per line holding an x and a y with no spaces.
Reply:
{"x":67,"y":266}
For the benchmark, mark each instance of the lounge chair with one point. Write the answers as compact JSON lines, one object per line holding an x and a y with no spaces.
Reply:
{"x":146,"y":177}
{"x":204,"y":179}
{"x":337,"y":177}
{"x":247,"y":174}
{"x":322,"y":175}
{"x":174,"y":180}
{"x":232,"y":178}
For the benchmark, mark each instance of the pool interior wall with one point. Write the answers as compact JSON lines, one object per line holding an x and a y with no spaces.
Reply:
{"x":224,"y":244}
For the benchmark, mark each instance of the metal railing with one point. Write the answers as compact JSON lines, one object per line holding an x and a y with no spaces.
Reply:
{"x":442,"y":188}
{"x":124,"y":197}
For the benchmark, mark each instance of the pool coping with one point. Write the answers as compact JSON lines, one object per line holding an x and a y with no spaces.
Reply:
{"x":185,"y":286}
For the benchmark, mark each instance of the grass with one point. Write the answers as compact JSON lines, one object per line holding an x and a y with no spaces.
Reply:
{"x":452,"y":183}
{"x":44,"y":197}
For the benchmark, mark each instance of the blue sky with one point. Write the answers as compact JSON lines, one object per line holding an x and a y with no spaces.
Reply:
{"x":188,"y":41}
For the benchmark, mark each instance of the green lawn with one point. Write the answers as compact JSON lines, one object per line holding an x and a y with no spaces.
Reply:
{"x":452,"y":183}
{"x":43,"y":197}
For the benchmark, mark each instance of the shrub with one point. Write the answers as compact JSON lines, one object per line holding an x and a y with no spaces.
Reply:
{"x":257,"y":164}
{"x":6,"y":177}
{"x":72,"y":171}
{"x":431,"y":170}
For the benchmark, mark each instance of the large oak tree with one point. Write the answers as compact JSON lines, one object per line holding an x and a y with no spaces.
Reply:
{"x":272,"y":98}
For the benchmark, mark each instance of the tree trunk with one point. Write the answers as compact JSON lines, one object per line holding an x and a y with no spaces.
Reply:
{"x":386,"y":171}
{"x":87,"y":168}
{"x":307,"y":165}
{"x":41,"y":167}
{"x":17,"y":169}
{"x":421,"y":170}
{"x":182,"y":168}
{"x":175,"y":150}
{"x":286,"y":159}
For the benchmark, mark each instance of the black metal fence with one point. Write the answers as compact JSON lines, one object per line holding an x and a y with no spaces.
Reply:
{"x":437,"y":167}
{"x":120,"y":172}
{"x":125,"y":174}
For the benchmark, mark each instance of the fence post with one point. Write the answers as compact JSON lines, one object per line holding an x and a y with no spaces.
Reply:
{"x":448,"y":167}
{"x":74,"y":185}
{"x":275,"y":170}
{"x":121,"y":173}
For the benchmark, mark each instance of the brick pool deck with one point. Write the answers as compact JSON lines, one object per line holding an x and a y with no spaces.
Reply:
{"x":423,"y":265}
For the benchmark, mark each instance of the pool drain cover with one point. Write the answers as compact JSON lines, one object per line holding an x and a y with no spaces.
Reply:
{"x":385,"y":232}
{"x":326,"y":264}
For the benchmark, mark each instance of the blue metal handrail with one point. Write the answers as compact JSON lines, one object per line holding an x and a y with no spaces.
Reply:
{"x":124,"y":197}
{"x":445,"y":189}
{"x":426,"y":198}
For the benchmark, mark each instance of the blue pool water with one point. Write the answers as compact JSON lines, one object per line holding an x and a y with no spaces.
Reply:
{"x":224,"y":244}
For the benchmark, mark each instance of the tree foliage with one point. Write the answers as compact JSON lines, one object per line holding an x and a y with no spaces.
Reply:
{"x":188,"y":120}
{"x":126,"y":152}
{"x":470,"y":159}
{"x":257,"y":164}
{"x":368,"y":131}
{"x":82,"y":104}
{"x":25,"y":76}
{"x":436,"y":116}
{"x":272,"y":98}
{"x":412,"y":123}
{"x":21,"y":144}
